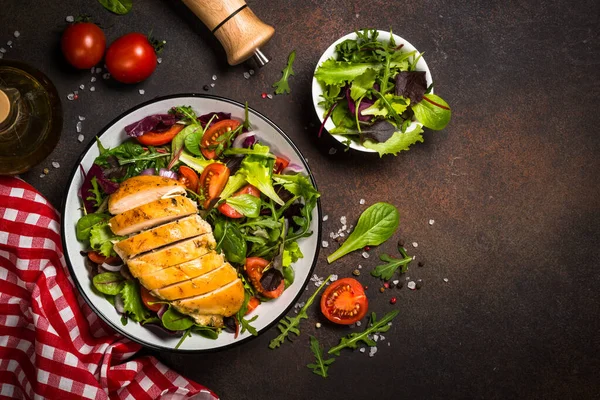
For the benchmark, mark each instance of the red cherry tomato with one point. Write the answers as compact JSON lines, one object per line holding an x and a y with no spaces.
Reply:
{"x":252,"y":304}
{"x":231,"y":212}
{"x":254,"y":269}
{"x":160,"y":138}
{"x":344,"y":302}
{"x":280,"y":164}
{"x":147,"y":299}
{"x":83,"y":44}
{"x":189,"y":178}
{"x":131,"y":58}
{"x":215,"y":135}
{"x":213,"y":181}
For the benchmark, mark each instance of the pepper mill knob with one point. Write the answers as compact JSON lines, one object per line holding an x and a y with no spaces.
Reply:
{"x":238,"y":29}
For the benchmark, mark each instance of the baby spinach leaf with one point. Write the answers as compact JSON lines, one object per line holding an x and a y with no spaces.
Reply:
{"x":192,"y":142}
{"x":109,"y":282}
{"x":375,"y":225}
{"x":175,"y":321}
{"x":86,"y":223}
{"x":351,"y":341}
{"x":179,"y":141}
{"x":400,"y":141}
{"x":321,"y":366}
{"x":132,"y":301}
{"x":282,"y":85}
{"x":120,"y":7}
{"x":433,"y":112}
{"x":245,"y":204}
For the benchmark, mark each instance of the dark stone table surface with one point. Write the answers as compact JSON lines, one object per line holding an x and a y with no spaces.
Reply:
{"x":512,"y":184}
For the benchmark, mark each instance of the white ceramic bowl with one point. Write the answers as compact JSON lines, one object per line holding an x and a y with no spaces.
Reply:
{"x":268,"y":313}
{"x":317,"y":89}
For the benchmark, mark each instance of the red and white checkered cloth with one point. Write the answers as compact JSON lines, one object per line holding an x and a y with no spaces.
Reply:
{"x":52,"y":345}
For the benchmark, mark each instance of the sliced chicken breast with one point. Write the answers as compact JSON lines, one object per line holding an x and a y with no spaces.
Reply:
{"x":200,"y":285}
{"x":152,"y":214}
{"x":225,"y":301}
{"x":182,"y":272}
{"x":162,"y":235}
{"x":174,"y":254}
{"x":141,"y":190}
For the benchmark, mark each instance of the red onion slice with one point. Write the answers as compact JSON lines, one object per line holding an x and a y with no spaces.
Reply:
{"x":149,"y":171}
{"x":292,"y":169}
{"x":162,"y":310}
{"x":112,"y":268}
{"x":119,"y":305}
{"x":244,"y":140}
{"x":165,"y":173}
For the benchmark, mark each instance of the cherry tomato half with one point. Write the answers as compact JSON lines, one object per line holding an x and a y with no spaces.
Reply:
{"x":189,"y":178}
{"x":216,"y":135}
{"x":344,"y":302}
{"x":131,"y":58}
{"x":213,"y":181}
{"x":147,"y":299}
{"x":231,"y":212}
{"x":280,"y":164}
{"x":83,"y":44}
{"x":160,"y":138}
{"x":99,"y":259}
{"x":254,"y":269}
{"x":252,"y":304}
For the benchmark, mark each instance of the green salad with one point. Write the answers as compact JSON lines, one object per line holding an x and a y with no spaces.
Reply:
{"x":373,"y":92}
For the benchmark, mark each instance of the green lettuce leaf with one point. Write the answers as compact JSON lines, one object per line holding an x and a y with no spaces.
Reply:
{"x":258,"y":172}
{"x":86,"y":223}
{"x":102,"y":238}
{"x":433,"y":112}
{"x":246,"y":205}
{"x":291,"y":253}
{"x":362,"y":83}
{"x":397,"y":143}
{"x":333,"y":72}
{"x":234,"y":183}
{"x":282,"y":85}
{"x":110,"y":283}
{"x":398,"y":103}
{"x":132,"y":301}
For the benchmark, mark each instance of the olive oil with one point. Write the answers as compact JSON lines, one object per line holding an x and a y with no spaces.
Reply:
{"x":30,"y":117}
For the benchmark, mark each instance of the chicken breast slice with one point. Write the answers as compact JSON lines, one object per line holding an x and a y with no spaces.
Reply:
{"x":174,"y":254}
{"x":152,"y":214}
{"x":182,"y":272}
{"x":225,"y":302}
{"x":200,"y":285}
{"x":162,"y":235}
{"x":141,"y":190}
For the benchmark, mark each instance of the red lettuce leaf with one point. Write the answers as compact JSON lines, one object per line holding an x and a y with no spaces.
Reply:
{"x":364,"y":104}
{"x":86,"y":191}
{"x":412,"y":85}
{"x":156,"y":123}
{"x":219,"y":116}
{"x":379,"y":132}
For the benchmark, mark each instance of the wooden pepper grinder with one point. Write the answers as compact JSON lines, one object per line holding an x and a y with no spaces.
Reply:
{"x":238,"y":29}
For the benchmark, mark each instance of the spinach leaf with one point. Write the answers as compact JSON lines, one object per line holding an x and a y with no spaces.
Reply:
{"x":231,"y":240}
{"x":245,"y":204}
{"x":109,"y":282}
{"x":86,"y":223}
{"x":400,"y":141}
{"x":375,"y":225}
{"x":433,"y":112}
{"x":321,"y":366}
{"x":132,"y":301}
{"x":175,"y":321}
{"x":178,"y":142}
{"x":351,"y":341}
{"x":289,"y":325}
{"x":192,"y":142}
{"x":282,"y":85}
{"x":120,"y":7}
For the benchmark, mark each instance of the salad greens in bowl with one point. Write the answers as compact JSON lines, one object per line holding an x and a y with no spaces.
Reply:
{"x":373,"y":91}
{"x":226,"y":244}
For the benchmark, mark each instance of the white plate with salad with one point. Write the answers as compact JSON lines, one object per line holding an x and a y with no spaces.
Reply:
{"x":192,"y":224}
{"x":373,"y":92}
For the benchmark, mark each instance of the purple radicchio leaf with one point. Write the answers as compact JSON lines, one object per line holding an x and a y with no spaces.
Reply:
{"x":364,"y":104}
{"x":219,"y":116}
{"x":156,"y":123}
{"x":379,"y":132}
{"x":105,"y":184}
{"x":412,"y":85}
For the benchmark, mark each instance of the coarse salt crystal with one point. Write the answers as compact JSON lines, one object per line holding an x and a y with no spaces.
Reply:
{"x":333,"y":278}
{"x":251,"y":72}
{"x":2,"y":50}
{"x":214,"y":77}
{"x":381,"y":337}
{"x":92,"y":88}
{"x":247,"y":75}
{"x":372,"y":351}
{"x":325,"y":244}
{"x":389,"y":344}
{"x":362,"y":350}
{"x":159,"y":60}
{"x":17,"y":34}
{"x":375,"y":337}
{"x":431,"y":222}
{"x":343,"y":228}
{"x":415,"y":244}
{"x":142,"y":91}
{"x":70,"y":18}
{"x":80,"y":138}
{"x":212,"y":85}
{"x":358,"y":323}
{"x":446,"y":280}
{"x":365,"y":254}
{"x":411,"y":285}
{"x":98,"y":70}
{"x":82,"y":86}
{"x":359,"y":266}
{"x":42,"y":175}
{"x":78,"y":126}
{"x":55,"y":164}
{"x":92,"y":70}
{"x":361,"y":201}
{"x":343,"y":220}
{"x":81,"y":118}
{"x":332,"y":151}
{"x":395,"y":282}
{"x":70,"y":96}
{"x":357,"y":16}
{"x":342,"y":234}
{"x":9,"y":43}
{"x":325,"y":218}
{"x":93,"y":79}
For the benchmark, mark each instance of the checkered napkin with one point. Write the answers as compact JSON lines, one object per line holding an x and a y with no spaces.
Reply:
{"x":52,"y":345}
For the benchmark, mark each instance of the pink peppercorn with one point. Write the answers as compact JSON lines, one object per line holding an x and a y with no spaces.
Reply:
{"x":263,"y":95}
{"x":393,"y":300}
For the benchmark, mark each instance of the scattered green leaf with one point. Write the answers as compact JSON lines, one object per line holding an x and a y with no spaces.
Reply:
{"x":321,"y":366}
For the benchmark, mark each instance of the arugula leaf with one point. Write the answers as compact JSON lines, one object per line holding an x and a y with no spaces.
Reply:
{"x":132,"y":301}
{"x":321,"y":366}
{"x":398,"y":142}
{"x":102,"y":238}
{"x":185,"y":113}
{"x":120,"y":7}
{"x":433,"y":112}
{"x":386,"y":271}
{"x":351,"y":341}
{"x":282,"y":85}
{"x":240,"y":316}
{"x":109,"y":282}
{"x":176,"y":321}
{"x":245,"y":204}
{"x":289,"y":325}
{"x":86,"y":223}
{"x":375,"y":225}
{"x":258,"y":172}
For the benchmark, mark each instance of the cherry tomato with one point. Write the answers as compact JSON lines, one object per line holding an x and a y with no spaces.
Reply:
{"x":254,"y":269}
{"x":280,"y":164}
{"x":231,"y":212}
{"x":252,"y":304}
{"x":344,"y":302}
{"x":99,"y":259}
{"x":147,"y":298}
{"x":189,"y":178}
{"x":212,"y":181}
{"x":215,"y":135}
{"x":83,"y":44}
{"x":131,"y":58}
{"x":160,"y":138}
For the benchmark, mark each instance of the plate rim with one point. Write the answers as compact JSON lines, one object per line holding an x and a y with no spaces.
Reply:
{"x":120,"y":329}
